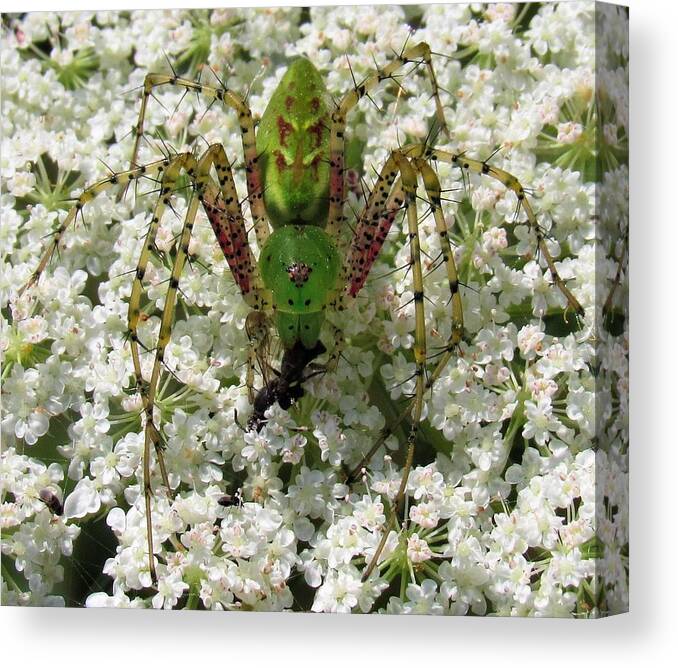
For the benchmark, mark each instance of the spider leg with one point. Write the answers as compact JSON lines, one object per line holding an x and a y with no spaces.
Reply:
{"x":371,"y":229}
{"x":432,"y":187}
{"x":339,"y":341}
{"x":409,"y":181}
{"x":223,"y":210}
{"x":235,"y":102}
{"x":182,"y":162}
{"x":169,"y":169}
{"x":622,"y":265}
{"x":419,"y":52}
{"x":152,"y":436}
{"x":382,"y":205}
{"x":384,"y":202}
{"x":88,"y":195}
{"x":257,"y":327}
{"x":225,"y":216}
{"x":358,"y":270}
{"x":511,"y":183}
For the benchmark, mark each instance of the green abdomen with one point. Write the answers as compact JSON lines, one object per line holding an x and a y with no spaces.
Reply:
{"x":293,"y":144}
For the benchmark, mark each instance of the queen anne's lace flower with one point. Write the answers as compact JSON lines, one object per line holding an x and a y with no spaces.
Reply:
{"x":500,"y":512}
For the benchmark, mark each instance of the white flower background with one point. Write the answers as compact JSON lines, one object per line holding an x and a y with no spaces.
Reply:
{"x":517,"y":501}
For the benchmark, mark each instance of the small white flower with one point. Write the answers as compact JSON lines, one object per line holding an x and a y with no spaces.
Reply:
{"x":418,"y":549}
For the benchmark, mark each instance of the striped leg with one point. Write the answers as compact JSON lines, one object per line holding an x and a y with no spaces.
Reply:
{"x":222,"y":208}
{"x":145,"y":171}
{"x":183,"y":162}
{"x":258,"y":327}
{"x":511,"y":183}
{"x":373,"y":226}
{"x":432,"y":186}
{"x":169,"y":169}
{"x":421,"y":155}
{"x":418,"y":53}
{"x":235,"y":102}
{"x":409,"y":180}
{"x":622,"y":266}
{"x":171,"y":173}
{"x":383,"y":204}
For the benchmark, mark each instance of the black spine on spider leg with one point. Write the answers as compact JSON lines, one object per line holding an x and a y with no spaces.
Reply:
{"x":287,"y":386}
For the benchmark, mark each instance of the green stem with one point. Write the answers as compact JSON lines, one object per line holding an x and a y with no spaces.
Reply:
{"x":517,"y":421}
{"x":6,"y":371}
{"x":9,"y":578}
{"x":432,"y":572}
{"x":193,"y":597}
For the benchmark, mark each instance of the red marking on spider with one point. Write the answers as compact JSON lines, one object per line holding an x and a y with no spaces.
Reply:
{"x":289,"y":102}
{"x":369,"y":239}
{"x":280,"y":161}
{"x":337,"y":174}
{"x":253,"y":179}
{"x":314,"y":165}
{"x":315,"y":104}
{"x":284,"y":130}
{"x":317,"y":131}
{"x":353,"y":181}
{"x":232,"y":237}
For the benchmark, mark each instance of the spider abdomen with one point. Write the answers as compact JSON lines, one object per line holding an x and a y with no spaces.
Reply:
{"x":293,"y":145}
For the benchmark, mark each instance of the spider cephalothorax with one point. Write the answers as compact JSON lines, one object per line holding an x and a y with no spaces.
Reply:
{"x":299,"y":273}
{"x":300,"y":266}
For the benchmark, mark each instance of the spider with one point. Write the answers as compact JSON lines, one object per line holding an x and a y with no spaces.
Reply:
{"x":307,"y":263}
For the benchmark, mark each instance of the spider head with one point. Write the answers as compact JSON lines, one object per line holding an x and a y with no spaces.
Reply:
{"x":300,"y":265}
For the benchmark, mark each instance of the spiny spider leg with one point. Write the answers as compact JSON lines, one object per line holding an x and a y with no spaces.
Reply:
{"x":183,"y":162}
{"x":371,"y":244}
{"x":433,"y":190}
{"x":257,"y":327}
{"x":373,"y":226}
{"x":419,"y":52}
{"x":409,"y":181}
{"x":170,"y":167}
{"x":235,"y":102}
{"x":432,"y":187}
{"x":223,"y":210}
{"x":87,"y":195}
{"x":622,"y":265}
{"x":511,"y":183}
{"x":370,"y":234}
{"x":168,"y":182}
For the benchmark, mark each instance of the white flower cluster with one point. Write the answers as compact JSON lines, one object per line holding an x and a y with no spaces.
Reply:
{"x":509,"y":509}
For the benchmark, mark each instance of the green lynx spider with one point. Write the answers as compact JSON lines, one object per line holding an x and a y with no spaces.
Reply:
{"x":296,"y":194}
